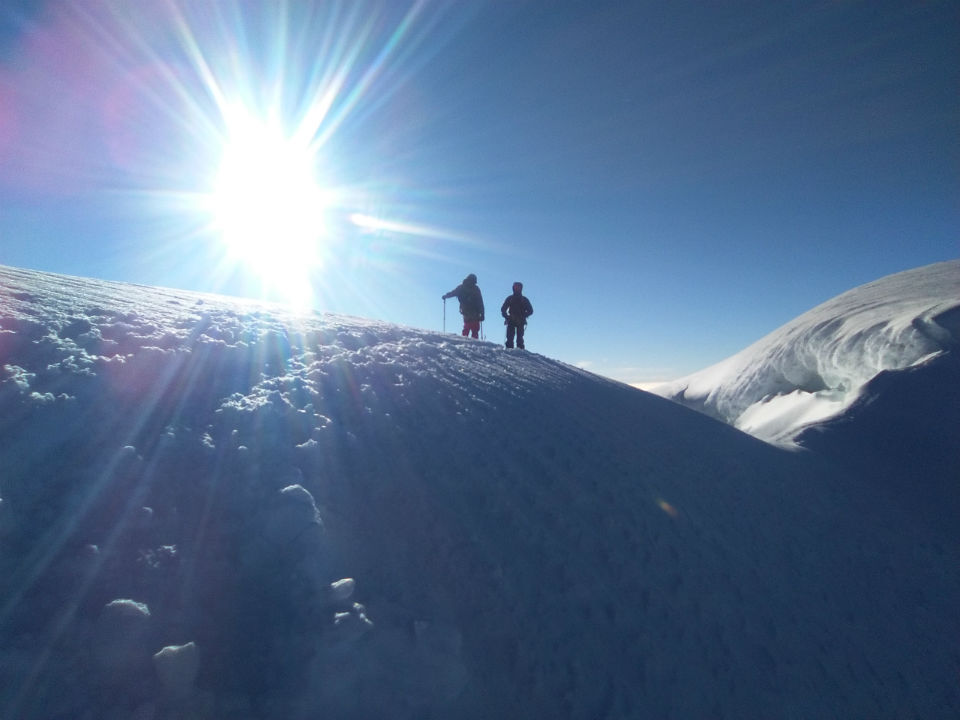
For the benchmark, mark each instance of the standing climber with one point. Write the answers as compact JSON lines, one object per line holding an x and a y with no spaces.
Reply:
{"x":471,"y":304}
{"x":515,"y":310}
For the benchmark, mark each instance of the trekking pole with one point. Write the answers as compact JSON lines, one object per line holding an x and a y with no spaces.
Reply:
{"x":444,"y":314}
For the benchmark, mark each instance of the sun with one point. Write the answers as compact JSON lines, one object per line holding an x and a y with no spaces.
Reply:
{"x":268,"y":205}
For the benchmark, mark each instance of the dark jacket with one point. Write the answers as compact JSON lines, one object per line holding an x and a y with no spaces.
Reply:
{"x":516,"y":309}
{"x":470,"y":297}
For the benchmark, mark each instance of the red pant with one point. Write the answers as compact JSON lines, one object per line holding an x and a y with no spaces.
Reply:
{"x":471,"y":327}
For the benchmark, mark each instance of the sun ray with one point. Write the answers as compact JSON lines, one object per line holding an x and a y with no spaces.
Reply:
{"x":239,"y":132}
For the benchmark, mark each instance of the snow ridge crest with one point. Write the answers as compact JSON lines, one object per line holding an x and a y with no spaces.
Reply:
{"x":814,"y":367}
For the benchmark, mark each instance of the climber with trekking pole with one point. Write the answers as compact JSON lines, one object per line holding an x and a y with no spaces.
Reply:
{"x":471,"y":306}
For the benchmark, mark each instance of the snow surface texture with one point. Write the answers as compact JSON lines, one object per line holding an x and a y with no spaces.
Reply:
{"x":216,"y":509}
{"x":815,"y":367}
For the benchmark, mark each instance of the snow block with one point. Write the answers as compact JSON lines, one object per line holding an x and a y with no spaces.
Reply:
{"x":341,"y":590}
{"x":177,"y":667}
{"x":120,"y":642}
{"x":292,"y":513}
{"x":348,"y":627}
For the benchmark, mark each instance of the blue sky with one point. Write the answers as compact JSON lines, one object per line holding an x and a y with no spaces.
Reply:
{"x":671,"y":181}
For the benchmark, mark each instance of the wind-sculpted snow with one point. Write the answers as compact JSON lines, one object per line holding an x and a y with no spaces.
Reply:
{"x":217,"y":509}
{"x":814,"y":367}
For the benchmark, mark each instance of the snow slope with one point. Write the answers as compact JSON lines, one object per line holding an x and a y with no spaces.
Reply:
{"x":214,"y":509}
{"x":814,"y":367}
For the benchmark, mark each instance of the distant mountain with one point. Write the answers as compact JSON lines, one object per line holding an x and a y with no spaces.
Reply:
{"x":818,"y":366}
{"x":220,"y":509}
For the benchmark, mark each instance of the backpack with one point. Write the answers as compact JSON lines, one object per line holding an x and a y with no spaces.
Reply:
{"x":471,"y":302}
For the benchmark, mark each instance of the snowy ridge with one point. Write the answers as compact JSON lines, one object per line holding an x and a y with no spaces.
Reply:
{"x":213,"y":508}
{"x":814,"y":367}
